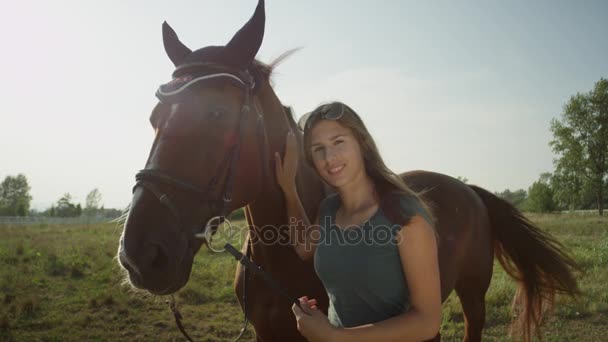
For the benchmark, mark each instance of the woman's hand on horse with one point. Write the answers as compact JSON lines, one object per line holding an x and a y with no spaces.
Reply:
{"x":287,"y":167}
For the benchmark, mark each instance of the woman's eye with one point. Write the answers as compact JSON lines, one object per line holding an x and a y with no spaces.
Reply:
{"x":337,"y":142}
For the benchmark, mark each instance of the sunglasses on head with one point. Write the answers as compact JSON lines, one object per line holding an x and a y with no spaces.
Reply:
{"x":330,"y":111}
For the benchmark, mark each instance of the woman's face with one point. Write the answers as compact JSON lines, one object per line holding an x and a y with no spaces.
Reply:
{"x":336,"y":153}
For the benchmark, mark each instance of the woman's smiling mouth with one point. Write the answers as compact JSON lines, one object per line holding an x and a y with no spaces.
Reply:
{"x":335,"y":170}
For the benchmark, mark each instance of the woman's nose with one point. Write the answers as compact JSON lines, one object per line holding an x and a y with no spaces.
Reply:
{"x":331,"y":154}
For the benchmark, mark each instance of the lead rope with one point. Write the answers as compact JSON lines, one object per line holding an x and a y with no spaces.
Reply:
{"x":178,"y":316}
{"x":245,"y":317}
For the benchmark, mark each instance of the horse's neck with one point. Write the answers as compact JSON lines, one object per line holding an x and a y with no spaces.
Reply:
{"x":269,"y":210}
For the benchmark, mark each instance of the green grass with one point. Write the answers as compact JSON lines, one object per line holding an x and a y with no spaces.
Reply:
{"x":62,"y":283}
{"x":582,"y":319}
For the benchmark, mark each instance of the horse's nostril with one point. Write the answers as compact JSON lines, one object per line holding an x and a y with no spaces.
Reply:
{"x":155,"y":257}
{"x":134,"y":276}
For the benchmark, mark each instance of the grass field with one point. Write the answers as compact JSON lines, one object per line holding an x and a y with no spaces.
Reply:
{"x":62,"y":283}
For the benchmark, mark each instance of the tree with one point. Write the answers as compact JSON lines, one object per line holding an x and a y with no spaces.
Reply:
{"x":93,"y":202}
{"x":517,"y":198}
{"x":580,"y":139}
{"x":15,"y":196}
{"x":540,"y":195}
{"x":568,"y":187}
{"x":65,"y":207}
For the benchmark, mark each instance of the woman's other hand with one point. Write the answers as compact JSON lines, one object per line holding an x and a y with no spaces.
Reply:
{"x":312,"y":323}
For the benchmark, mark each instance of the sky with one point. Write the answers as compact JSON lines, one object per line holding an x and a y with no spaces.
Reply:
{"x":465,"y":88}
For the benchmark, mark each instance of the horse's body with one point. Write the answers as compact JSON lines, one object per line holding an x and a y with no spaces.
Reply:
{"x":472,"y":224}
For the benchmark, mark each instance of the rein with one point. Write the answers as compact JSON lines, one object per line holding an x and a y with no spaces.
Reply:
{"x":257,"y":270}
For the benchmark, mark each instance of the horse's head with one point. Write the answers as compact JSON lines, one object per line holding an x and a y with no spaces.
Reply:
{"x":210,"y":140}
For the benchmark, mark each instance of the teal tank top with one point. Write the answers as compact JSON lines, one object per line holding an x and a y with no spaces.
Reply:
{"x":360,"y":266}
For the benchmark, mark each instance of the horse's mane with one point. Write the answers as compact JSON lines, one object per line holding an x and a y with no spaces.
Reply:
{"x":290,"y":118}
{"x":266,"y":70}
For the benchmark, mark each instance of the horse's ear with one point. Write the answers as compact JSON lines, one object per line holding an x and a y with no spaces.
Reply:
{"x":175,"y":49}
{"x":243,"y":47}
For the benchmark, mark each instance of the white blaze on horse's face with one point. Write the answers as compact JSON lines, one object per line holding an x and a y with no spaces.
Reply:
{"x":336,"y":153}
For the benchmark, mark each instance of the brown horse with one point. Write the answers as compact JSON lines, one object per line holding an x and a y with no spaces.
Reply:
{"x":217,"y":126}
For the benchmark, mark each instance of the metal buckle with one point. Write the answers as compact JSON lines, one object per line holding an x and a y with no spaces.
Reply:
{"x":207,"y":234}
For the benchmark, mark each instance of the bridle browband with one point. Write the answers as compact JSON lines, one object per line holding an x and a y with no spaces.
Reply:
{"x":149,"y":179}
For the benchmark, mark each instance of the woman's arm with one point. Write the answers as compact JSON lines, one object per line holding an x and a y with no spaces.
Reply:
{"x":300,"y":229}
{"x":302,"y":233}
{"x":418,"y":252}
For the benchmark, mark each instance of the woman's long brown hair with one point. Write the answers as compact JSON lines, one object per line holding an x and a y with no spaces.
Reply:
{"x":388,"y":185}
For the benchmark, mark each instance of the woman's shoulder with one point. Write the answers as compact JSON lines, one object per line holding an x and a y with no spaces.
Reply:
{"x":402,"y":197}
{"x":410,"y":204}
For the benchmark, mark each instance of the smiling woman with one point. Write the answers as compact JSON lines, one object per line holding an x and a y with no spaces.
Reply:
{"x":378,"y":291}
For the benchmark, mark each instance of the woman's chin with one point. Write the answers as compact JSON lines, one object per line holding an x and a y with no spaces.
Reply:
{"x":336,"y":181}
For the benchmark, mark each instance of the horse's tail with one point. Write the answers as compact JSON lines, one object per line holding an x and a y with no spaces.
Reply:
{"x":534,"y":258}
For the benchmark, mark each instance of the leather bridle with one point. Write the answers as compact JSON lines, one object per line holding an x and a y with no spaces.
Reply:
{"x":220,"y":205}
{"x":150,"y":179}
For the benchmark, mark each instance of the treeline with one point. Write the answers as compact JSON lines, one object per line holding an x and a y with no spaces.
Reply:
{"x":545,"y":195}
{"x":64,"y":207}
{"x":15,"y":200}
